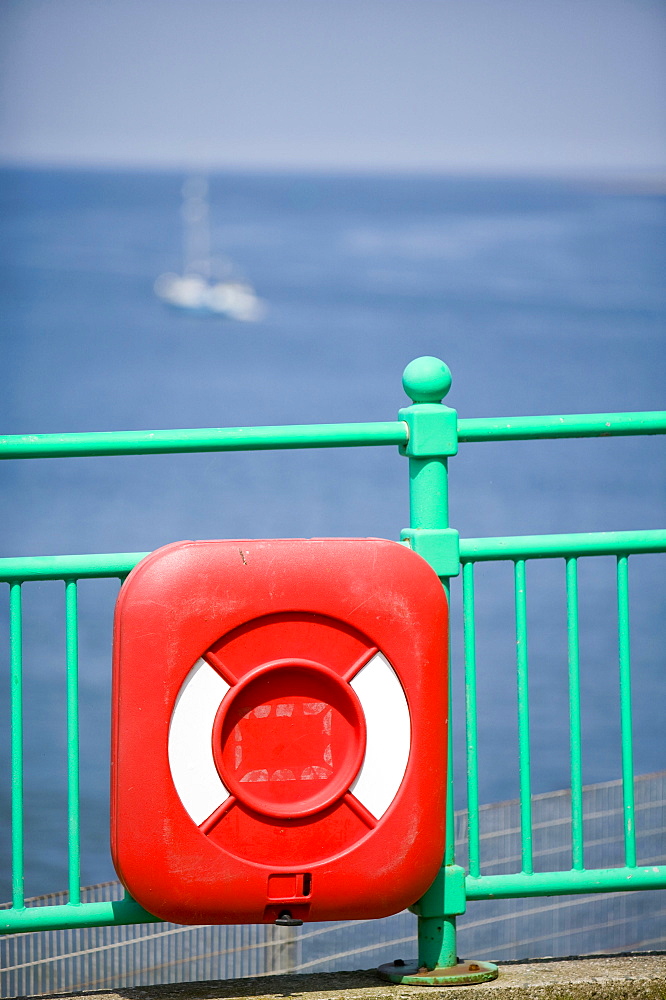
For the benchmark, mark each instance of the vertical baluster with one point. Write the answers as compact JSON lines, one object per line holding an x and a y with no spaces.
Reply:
{"x":575,"y":755}
{"x":471,"y":720}
{"x":16,"y":708}
{"x":625,"y":710}
{"x":73,"y":817}
{"x":523,"y":718}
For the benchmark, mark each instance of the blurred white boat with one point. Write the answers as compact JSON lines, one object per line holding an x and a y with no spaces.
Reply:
{"x":206,"y":285}
{"x":192,"y":291}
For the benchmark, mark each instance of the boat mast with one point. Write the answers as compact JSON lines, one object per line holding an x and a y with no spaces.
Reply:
{"x":196,"y":227}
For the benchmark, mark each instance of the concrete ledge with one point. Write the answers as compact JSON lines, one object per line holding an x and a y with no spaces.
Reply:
{"x":614,"y":977}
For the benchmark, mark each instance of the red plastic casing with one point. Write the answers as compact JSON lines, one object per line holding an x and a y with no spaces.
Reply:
{"x":279,"y":730}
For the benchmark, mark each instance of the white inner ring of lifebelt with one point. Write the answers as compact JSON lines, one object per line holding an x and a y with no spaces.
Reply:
{"x":190,"y":742}
{"x":384,"y":704}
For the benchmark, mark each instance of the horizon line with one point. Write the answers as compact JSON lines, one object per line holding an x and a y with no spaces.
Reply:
{"x":615,"y":174}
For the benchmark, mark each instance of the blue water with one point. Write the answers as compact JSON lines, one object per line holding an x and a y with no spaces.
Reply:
{"x":542,"y":296}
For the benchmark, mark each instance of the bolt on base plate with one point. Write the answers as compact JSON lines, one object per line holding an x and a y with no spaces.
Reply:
{"x":452,"y":975}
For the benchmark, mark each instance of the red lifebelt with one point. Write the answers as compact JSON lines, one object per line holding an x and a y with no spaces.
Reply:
{"x":279,"y":731}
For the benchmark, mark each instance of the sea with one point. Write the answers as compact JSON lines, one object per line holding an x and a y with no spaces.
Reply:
{"x":544,"y":296}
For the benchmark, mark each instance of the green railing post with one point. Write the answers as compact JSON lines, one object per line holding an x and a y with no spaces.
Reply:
{"x":433,"y":437}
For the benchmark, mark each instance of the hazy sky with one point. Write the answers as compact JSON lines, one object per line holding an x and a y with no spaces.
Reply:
{"x":484,"y":85}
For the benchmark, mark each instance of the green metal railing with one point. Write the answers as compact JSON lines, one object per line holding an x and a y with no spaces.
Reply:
{"x":569,"y":548}
{"x":428,"y":433}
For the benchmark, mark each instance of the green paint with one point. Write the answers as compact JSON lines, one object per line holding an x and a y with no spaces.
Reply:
{"x":522,"y":884}
{"x":438,"y":546}
{"x":432,"y":438}
{"x":432,"y":430}
{"x":96,"y":567}
{"x":73,"y":804}
{"x":16,"y":709}
{"x":206,"y":439}
{"x":449,"y":886}
{"x":427,"y":432}
{"x":566,"y":426}
{"x":624,"y":651}
{"x":65,"y":915}
{"x":460,"y":974}
{"x":575,"y":733}
{"x":426,"y":380}
{"x":520,"y":587}
{"x":596,"y":543}
{"x":471,"y":738}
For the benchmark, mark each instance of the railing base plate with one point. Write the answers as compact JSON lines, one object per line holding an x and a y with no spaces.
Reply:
{"x":453,"y":975}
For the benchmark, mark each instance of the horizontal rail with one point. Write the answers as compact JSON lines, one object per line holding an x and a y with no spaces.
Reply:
{"x":207,"y":439}
{"x":568,"y":426}
{"x":65,"y":915}
{"x":594,"y":543}
{"x":561,"y":883}
{"x":162,"y":442}
{"x":565,"y":883}
{"x":118,"y":564}
{"x":22,"y":568}
{"x":518,"y":548}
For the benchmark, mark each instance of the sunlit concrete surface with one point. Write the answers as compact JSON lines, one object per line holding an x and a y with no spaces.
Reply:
{"x":624,"y":977}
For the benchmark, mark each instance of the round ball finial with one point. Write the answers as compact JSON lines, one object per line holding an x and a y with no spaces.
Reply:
{"x":426,"y":380}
